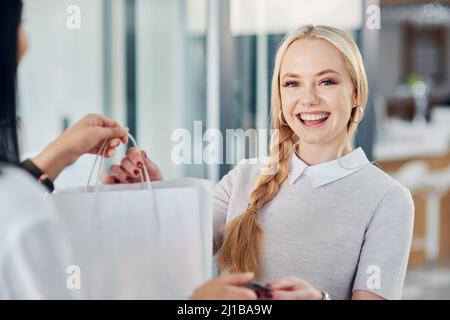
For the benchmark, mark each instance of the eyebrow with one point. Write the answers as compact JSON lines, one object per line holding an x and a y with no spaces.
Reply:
{"x":321,"y":73}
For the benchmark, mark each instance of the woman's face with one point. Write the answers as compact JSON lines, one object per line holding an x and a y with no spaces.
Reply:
{"x":317,"y":93}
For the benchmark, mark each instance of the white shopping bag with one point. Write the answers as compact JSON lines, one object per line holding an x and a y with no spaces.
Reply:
{"x":131,"y":242}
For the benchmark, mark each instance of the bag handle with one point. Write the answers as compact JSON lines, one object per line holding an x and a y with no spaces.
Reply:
{"x":101,"y":154}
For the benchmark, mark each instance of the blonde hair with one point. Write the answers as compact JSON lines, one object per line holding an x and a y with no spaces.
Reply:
{"x":243,"y":235}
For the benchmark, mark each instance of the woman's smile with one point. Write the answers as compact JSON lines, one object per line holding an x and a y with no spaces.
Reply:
{"x":313,"y":119}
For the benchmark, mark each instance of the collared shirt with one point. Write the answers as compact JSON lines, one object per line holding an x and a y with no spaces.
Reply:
{"x":327,"y":172}
{"x":340,"y":229}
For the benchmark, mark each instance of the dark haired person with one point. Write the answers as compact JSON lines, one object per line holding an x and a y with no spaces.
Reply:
{"x":32,"y":247}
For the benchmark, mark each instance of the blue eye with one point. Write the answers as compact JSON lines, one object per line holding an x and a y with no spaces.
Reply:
{"x":327,"y":82}
{"x":291,"y":84}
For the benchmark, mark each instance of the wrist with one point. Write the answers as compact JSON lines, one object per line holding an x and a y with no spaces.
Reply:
{"x":52,"y":160}
{"x":38,"y":174}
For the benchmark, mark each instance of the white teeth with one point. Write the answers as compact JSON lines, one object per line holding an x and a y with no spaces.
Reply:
{"x":312,"y":117}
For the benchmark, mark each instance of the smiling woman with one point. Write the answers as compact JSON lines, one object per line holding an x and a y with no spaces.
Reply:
{"x":319,"y":90}
{"x":319,"y":74}
{"x":317,"y":218}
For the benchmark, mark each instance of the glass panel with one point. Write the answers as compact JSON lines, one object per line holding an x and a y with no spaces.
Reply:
{"x":171,"y":78}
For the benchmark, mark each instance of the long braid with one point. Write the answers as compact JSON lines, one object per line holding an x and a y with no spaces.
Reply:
{"x":243,"y":235}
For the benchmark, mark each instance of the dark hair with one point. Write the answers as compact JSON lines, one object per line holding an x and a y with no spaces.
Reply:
{"x":10,"y":17}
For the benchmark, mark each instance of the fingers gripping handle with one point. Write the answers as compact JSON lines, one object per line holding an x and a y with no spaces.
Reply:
{"x":101,"y":155}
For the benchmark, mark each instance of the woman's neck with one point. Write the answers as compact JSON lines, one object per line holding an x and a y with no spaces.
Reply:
{"x":313,"y":154}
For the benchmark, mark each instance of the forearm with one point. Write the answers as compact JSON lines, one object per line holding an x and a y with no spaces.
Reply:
{"x":53,"y":159}
{"x":365,"y":295}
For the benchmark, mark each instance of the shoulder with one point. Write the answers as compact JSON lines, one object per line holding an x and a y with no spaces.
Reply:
{"x":381,"y":190}
{"x":243,"y":175}
{"x":248,"y":170}
{"x":377,"y":175}
{"x":252,"y":166}
{"x":393,"y":197}
{"x":380,"y":180}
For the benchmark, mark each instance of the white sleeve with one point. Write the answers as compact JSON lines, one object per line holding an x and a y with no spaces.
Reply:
{"x":33,"y":266}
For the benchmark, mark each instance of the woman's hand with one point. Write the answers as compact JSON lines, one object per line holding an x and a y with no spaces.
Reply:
{"x":226,"y":287}
{"x":293,"y":288}
{"x":129,"y":170}
{"x":85,"y":136}
{"x":88,"y":134}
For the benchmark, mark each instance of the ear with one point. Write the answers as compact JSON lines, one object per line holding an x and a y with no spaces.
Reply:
{"x":354,"y":99}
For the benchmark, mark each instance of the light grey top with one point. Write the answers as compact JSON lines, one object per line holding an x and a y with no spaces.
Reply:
{"x":340,"y":229}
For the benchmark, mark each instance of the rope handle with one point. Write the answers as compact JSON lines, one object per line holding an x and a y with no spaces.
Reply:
{"x":101,"y":154}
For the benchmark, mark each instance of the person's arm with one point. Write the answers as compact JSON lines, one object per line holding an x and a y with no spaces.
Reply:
{"x":385,"y":250}
{"x":86,"y":136}
{"x":226,"y":287}
{"x":293,"y":288}
{"x":365,"y":295}
{"x":221,"y":200}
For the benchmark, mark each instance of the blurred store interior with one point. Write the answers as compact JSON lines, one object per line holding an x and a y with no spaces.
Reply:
{"x":161,"y":65}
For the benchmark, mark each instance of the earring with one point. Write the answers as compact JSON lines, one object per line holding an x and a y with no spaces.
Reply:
{"x":361,"y":111}
{"x":282,"y":119}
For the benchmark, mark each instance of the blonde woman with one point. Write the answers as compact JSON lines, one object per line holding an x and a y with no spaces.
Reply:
{"x":322,"y":221}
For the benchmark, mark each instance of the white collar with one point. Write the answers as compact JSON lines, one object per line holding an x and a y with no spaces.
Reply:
{"x":326,"y":172}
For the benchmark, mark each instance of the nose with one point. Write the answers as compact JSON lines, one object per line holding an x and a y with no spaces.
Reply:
{"x":308,"y":96}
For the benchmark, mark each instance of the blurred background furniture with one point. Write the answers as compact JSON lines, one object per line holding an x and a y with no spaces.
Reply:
{"x":418,"y":155}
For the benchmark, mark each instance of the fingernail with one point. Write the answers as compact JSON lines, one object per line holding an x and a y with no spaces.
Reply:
{"x":145,"y":154}
{"x":140,"y":165}
{"x":136,"y":172}
{"x":116,"y":180}
{"x":130,"y":179}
